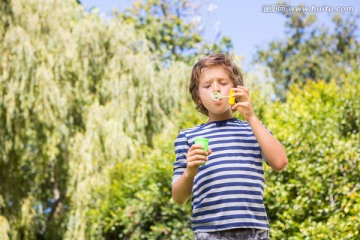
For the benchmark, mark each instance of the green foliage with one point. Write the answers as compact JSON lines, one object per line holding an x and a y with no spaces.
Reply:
{"x":138,"y":204}
{"x":311,"y":51}
{"x":4,"y":228}
{"x":169,"y":26}
{"x":317,"y":197}
{"x":86,"y":141}
{"x":163,"y":23}
{"x":73,"y":89}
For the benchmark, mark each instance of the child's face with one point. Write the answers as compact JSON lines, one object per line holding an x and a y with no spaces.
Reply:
{"x":215,"y":79}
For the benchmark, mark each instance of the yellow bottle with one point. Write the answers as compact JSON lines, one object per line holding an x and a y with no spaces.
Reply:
{"x":231,"y":98}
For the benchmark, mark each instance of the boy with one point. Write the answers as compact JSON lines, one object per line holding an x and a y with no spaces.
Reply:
{"x":227,"y":192}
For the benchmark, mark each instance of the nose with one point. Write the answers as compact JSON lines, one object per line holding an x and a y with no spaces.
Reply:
{"x":215,"y":87}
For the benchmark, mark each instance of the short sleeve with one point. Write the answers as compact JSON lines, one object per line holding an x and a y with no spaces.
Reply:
{"x":181,"y":146}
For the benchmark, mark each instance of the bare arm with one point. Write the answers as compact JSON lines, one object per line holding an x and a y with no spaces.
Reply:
{"x":181,"y":189}
{"x":272,"y":149}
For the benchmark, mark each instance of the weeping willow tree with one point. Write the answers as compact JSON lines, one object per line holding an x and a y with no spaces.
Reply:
{"x":78,"y":95}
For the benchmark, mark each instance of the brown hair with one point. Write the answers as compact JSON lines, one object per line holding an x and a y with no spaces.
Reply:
{"x":218,"y":59}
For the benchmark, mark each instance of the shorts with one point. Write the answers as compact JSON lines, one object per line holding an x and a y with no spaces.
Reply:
{"x":234,"y":234}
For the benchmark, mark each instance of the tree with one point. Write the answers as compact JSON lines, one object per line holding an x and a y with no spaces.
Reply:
{"x":317,"y":196}
{"x":170,"y":28}
{"x":77,"y":95}
{"x":312,"y":52}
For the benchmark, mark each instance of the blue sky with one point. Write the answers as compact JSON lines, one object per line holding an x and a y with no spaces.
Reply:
{"x":245,"y":23}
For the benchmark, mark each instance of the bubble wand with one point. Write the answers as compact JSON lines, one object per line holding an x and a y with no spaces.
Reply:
{"x":216,"y":96}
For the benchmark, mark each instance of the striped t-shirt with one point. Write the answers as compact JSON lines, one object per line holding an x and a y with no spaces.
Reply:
{"x":228,"y":191}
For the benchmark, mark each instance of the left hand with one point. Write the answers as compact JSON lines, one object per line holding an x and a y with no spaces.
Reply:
{"x":244,"y":106}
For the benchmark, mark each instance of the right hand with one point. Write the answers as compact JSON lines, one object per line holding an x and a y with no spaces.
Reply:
{"x":194,"y":158}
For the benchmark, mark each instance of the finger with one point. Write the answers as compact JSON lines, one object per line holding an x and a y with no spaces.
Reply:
{"x":197,"y":158}
{"x":194,"y":149}
{"x":196,"y":163}
{"x":243,"y":94}
{"x":239,"y":94}
{"x":241,"y":104}
{"x":235,"y":89}
{"x":196,"y":146}
{"x":197,"y":152}
{"x":244,"y":104}
{"x":243,"y":88}
{"x":236,"y":106}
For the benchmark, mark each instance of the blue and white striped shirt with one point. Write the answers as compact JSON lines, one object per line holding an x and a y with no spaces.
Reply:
{"x":228,"y":191}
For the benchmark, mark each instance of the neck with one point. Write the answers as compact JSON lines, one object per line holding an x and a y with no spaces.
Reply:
{"x":220,"y":117}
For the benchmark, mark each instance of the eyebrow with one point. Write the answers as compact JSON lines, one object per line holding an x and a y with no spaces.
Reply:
{"x":215,"y":79}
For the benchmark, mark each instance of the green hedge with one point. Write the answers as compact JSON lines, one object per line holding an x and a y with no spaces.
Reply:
{"x":315,"y":197}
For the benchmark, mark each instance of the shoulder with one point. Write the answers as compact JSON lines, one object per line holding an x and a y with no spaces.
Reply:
{"x":240,"y":122}
{"x":237,"y":123}
{"x":187,"y":131}
{"x":185,"y":134}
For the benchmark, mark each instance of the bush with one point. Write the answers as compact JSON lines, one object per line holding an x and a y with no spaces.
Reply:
{"x":315,"y":197}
